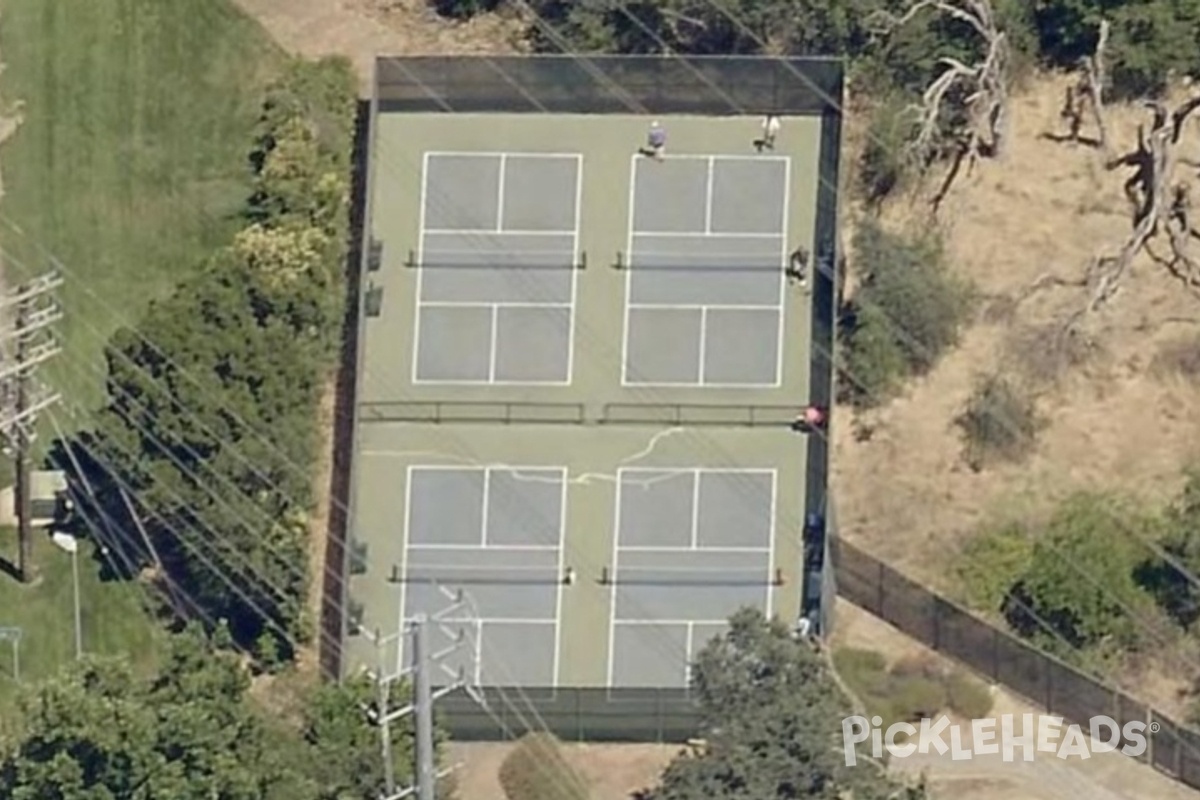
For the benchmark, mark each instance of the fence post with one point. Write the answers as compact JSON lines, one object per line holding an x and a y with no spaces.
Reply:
{"x":879,"y":601}
{"x":936,"y":607}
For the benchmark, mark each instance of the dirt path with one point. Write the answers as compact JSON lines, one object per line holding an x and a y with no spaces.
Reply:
{"x":364,"y":29}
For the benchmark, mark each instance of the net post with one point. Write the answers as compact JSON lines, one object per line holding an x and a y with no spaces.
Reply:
{"x":620,"y":262}
{"x":605,"y":579}
{"x":395,"y":576}
{"x":778,"y":578}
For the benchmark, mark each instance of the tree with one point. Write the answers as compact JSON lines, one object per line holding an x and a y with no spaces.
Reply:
{"x":346,"y":760}
{"x":100,"y":733}
{"x":1171,"y":574}
{"x":213,"y":397}
{"x":1080,"y":589}
{"x":907,"y":311}
{"x":772,"y":724}
{"x":1151,"y":39}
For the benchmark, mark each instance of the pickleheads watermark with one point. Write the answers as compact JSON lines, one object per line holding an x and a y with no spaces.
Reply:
{"x":1027,"y":734}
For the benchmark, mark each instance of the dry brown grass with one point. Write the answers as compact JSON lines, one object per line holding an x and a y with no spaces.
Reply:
{"x":1113,"y":421}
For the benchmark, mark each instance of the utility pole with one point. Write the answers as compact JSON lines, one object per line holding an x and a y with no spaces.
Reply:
{"x":27,"y":344}
{"x":423,"y":669}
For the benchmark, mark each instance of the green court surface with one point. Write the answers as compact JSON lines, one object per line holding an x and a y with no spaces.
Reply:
{"x":575,"y":398}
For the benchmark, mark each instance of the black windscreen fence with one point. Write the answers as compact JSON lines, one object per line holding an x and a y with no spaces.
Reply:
{"x":599,"y":84}
{"x":1060,"y":688}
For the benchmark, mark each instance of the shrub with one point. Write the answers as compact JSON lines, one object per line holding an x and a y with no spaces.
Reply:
{"x":1080,"y":589}
{"x":1179,"y":357}
{"x":464,"y":9}
{"x":913,"y":689}
{"x":1151,"y":39}
{"x":1169,"y":575}
{"x":968,"y":697}
{"x":991,"y":563}
{"x":999,"y":423}
{"x":908,"y":311}
{"x":884,"y":162}
{"x":537,"y":770}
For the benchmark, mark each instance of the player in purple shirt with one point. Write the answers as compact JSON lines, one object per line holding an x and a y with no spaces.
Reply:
{"x":657,"y":140}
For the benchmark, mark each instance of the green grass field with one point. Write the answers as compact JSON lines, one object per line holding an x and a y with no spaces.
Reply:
{"x":131,"y":161}
{"x":115,"y":620}
{"x":130,"y":167}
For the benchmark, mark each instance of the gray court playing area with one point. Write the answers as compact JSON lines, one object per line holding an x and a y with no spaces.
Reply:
{"x":496,"y":268}
{"x":692,"y":546}
{"x":496,"y":534}
{"x":707,"y":251}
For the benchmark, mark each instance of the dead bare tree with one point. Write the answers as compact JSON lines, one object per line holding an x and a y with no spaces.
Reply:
{"x":964,"y":110}
{"x":1160,"y":203}
{"x":1086,"y":96}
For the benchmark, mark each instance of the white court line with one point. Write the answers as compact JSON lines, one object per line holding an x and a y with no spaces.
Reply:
{"x":625,"y":377}
{"x":771,"y":541}
{"x":572,"y":314}
{"x":558,"y":599}
{"x":514,"y":154}
{"x":499,"y":620}
{"x":671,"y":622}
{"x":489,"y":547}
{"x":755,"y":159}
{"x":477,"y":304}
{"x":787,"y":191}
{"x":500,"y":193}
{"x":687,"y":649}
{"x":703,"y":348}
{"x":479,"y":652}
{"x":706,"y":235}
{"x":404,"y":536}
{"x":700,"y":306}
{"x":638,"y":548}
{"x":492,"y":233}
{"x":700,"y":470}
{"x":483,"y":515}
{"x":492,"y":345}
{"x":416,"y":347}
{"x":612,"y":607}
{"x":708,"y":200}
{"x":695,"y":533}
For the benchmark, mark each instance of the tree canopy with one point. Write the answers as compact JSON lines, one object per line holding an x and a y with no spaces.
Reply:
{"x":1152,"y":39}
{"x":187,"y":732}
{"x":773,"y":717}
{"x":211,"y":419}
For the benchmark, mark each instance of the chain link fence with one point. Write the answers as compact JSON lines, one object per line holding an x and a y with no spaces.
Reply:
{"x":572,"y":714}
{"x":606,"y":84}
{"x":1058,"y":687}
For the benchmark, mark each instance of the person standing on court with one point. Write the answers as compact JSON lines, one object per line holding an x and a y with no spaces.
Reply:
{"x":770,"y":129}
{"x":656,"y":140}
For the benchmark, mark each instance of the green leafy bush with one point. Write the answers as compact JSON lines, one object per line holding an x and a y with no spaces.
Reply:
{"x":885,"y":163}
{"x":223,"y":466}
{"x":991,"y":563}
{"x":1080,"y":589}
{"x":907,"y":312}
{"x":912,"y":689}
{"x":464,"y":9}
{"x":535,"y":769}
{"x":966,"y":696}
{"x":1000,"y":422}
{"x":1151,"y":39}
